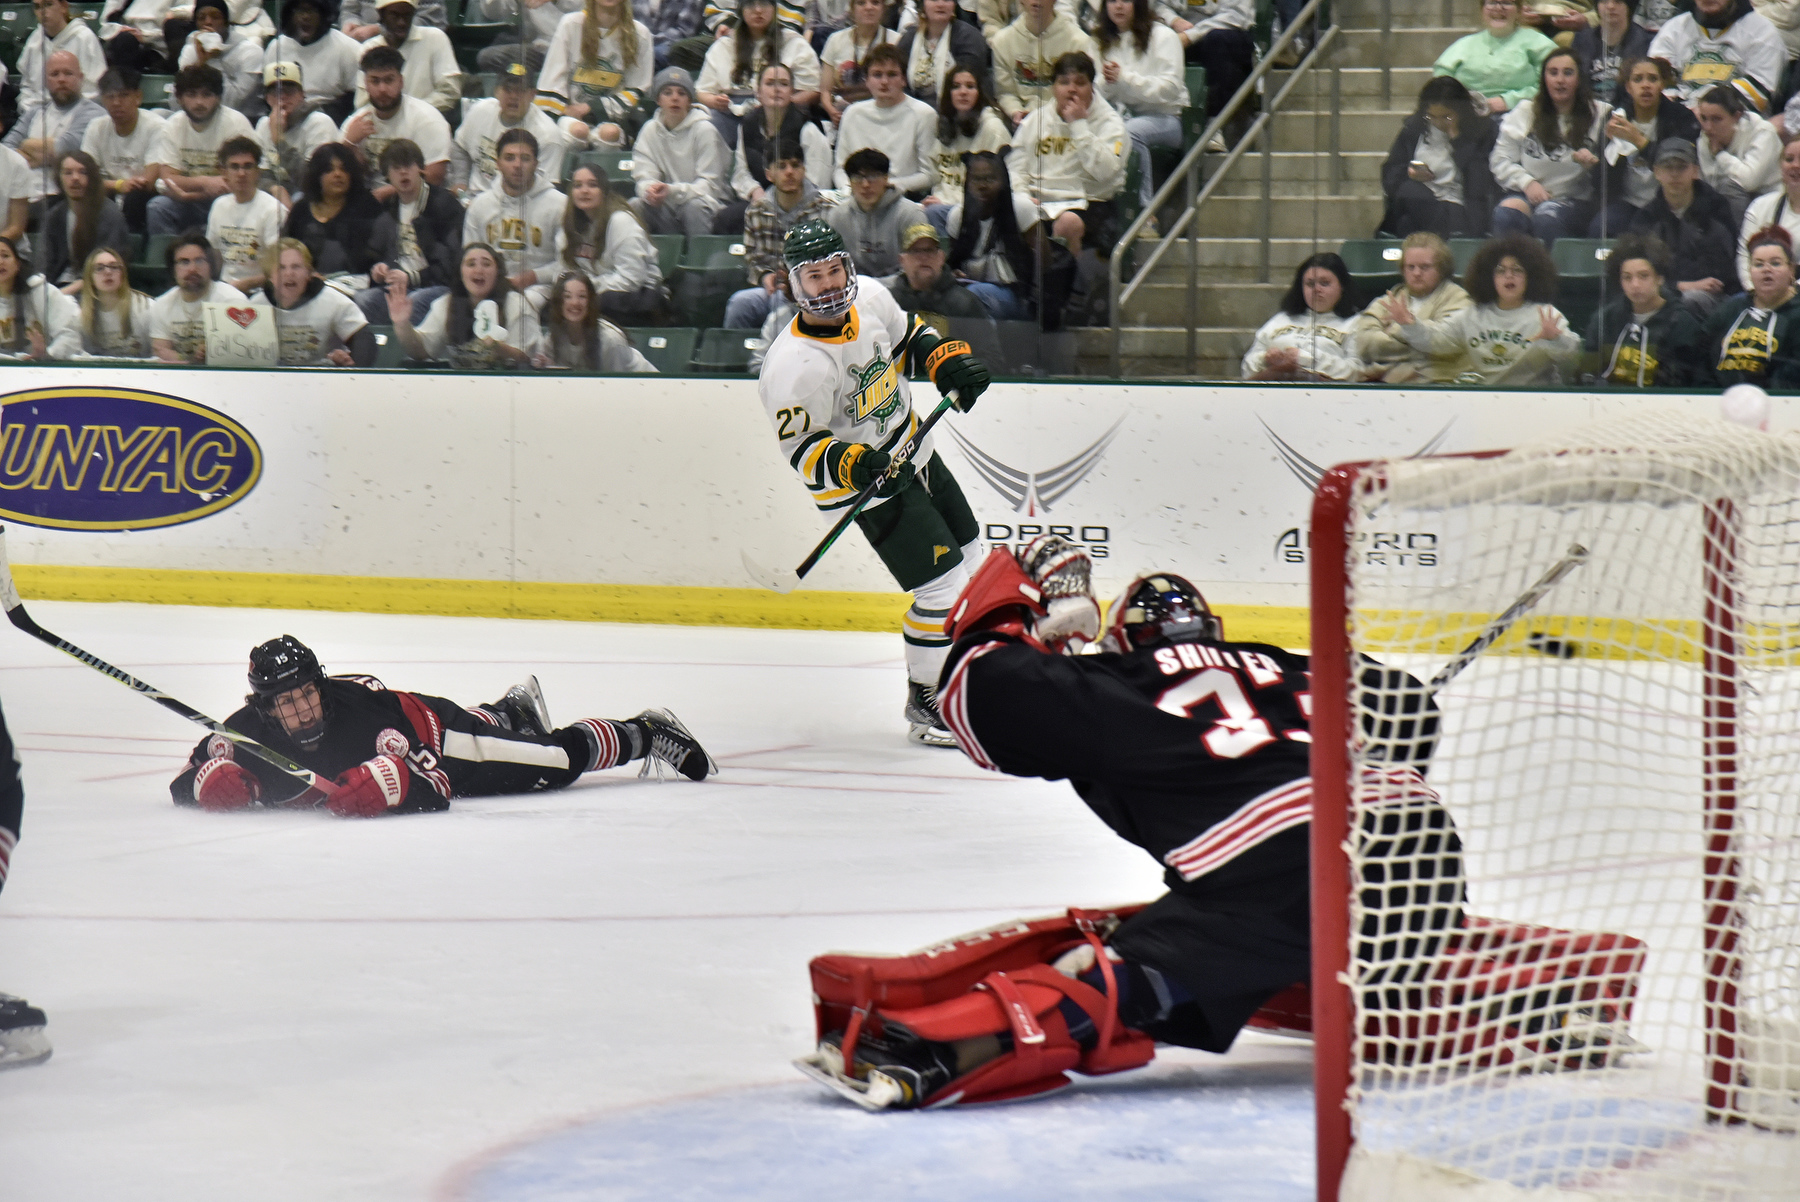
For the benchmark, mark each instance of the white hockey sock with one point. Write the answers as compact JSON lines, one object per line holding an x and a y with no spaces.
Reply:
{"x":923,"y":624}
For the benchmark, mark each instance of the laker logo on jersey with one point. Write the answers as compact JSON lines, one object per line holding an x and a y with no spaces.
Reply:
{"x":876,"y":395}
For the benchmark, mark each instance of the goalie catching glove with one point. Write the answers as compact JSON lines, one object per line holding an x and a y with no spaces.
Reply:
{"x":1048,"y":601}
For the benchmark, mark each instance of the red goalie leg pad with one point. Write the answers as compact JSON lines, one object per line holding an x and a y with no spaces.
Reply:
{"x":999,"y":596}
{"x":845,"y":984}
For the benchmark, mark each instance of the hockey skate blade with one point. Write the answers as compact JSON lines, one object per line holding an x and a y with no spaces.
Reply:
{"x":776,"y":580}
{"x":814,"y":1067}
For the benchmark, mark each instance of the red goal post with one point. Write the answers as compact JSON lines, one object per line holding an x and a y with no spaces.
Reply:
{"x":1635,"y":852}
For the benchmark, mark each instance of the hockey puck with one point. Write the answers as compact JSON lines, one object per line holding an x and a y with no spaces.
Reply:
{"x":1555,"y":648}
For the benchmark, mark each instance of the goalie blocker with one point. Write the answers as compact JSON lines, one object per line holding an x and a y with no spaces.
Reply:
{"x":1195,"y":748}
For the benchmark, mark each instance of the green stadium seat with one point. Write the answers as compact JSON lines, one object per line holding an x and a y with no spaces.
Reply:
{"x":388,"y":351}
{"x":17,"y":21}
{"x":1462,"y":250}
{"x":726,"y":351}
{"x":616,"y":163}
{"x":670,"y":348}
{"x":711,"y":270}
{"x":159,"y":91}
{"x":1580,"y":268}
{"x":1193,"y":117}
{"x":150,"y":273}
{"x":1374,"y":263}
{"x":669,"y":248}
{"x":471,"y":31}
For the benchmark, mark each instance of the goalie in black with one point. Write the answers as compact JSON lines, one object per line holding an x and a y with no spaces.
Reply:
{"x":395,"y":752}
{"x":1195,"y":748}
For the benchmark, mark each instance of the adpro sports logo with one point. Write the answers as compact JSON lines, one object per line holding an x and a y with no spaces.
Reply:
{"x":1035,"y":493}
{"x":1398,"y":548}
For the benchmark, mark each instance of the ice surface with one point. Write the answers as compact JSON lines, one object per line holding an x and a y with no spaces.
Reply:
{"x":589,"y":994}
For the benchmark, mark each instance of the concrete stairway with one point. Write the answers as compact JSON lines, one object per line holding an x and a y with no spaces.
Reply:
{"x":1305,"y":215}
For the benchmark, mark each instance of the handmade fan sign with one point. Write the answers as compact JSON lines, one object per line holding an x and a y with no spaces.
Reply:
{"x":241,"y":335}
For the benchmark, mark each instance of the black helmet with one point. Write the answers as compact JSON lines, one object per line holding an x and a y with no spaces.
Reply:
{"x":278,"y":666}
{"x":1161,"y":608}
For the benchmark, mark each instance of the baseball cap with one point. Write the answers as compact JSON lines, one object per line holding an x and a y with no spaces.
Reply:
{"x":914,"y":233}
{"x":276,"y":73}
{"x":1671,"y":150}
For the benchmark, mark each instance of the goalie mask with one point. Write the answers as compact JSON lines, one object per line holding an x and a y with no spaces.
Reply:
{"x":287,"y":686}
{"x":1161,"y":608}
{"x":813,"y":244}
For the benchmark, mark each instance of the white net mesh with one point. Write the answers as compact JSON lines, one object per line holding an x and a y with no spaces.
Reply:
{"x":1619,"y":1015}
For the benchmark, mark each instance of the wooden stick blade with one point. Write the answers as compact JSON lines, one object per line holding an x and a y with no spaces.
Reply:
{"x":776,"y":580}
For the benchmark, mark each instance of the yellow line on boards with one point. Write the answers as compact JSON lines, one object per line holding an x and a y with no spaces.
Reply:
{"x":804,"y":610}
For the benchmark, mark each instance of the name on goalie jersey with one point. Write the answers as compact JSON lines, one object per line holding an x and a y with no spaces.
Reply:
{"x":875,"y":391}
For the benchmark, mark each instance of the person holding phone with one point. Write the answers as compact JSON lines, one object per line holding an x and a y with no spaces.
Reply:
{"x":1436,"y":178}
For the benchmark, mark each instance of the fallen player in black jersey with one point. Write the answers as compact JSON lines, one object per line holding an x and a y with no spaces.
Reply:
{"x":1196,"y":749}
{"x":391,"y":752}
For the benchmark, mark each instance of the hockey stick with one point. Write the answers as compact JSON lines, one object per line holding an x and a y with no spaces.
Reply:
{"x":15,"y":613}
{"x":777,"y":580}
{"x":1576,"y":556}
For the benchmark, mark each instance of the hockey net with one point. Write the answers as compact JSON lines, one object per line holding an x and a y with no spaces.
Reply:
{"x":1615,"y":1011}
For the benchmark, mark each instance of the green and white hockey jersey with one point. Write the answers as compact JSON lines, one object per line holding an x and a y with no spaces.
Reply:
{"x":828,"y":394}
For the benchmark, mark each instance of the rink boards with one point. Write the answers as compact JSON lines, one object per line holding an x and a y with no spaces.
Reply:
{"x":631,"y":498}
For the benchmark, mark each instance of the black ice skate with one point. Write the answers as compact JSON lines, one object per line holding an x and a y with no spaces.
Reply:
{"x":523,"y":707}
{"x":671,"y":744}
{"x":22,"y":1037}
{"x":895,"y":1070}
{"x":924,"y":723}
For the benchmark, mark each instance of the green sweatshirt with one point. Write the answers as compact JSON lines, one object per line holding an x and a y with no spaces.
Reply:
{"x":1505,"y":67}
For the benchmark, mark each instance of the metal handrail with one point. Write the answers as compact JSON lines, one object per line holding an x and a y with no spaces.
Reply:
{"x":1188,"y":172}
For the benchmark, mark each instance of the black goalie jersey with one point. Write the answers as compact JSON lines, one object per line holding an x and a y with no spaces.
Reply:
{"x":1196,"y":752}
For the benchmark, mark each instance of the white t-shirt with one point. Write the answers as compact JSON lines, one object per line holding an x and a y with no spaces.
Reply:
{"x":1436,"y":151}
{"x":415,"y":120}
{"x":17,"y":180}
{"x":109,"y":338}
{"x":196,"y":151}
{"x":240,"y":232}
{"x":124,"y":156}
{"x":986,"y":262}
{"x":177,"y":320}
{"x":314,"y":328}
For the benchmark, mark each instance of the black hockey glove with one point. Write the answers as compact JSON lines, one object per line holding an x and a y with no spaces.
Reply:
{"x":955,"y":371}
{"x":863,"y":464}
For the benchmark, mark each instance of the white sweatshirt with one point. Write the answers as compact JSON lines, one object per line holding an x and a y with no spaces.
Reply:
{"x":78,"y":40}
{"x":906,"y":133}
{"x":1025,"y":61}
{"x":1324,"y":341}
{"x":990,"y":134}
{"x":522,"y":228}
{"x":607,"y":86}
{"x":1752,"y":161}
{"x":1748,"y":52}
{"x":1501,"y":343}
{"x":721,"y":61}
{"x":628,"y":262}
{"x":691,"y":158}
{"x":472,"y":150}
{"x":1518,"y":157}
{"x":1063,"y":165}
{"x":1152,"y":82}
{"x":1771,"y":208}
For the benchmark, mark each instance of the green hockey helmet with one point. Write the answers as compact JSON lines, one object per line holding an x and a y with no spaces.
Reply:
{"x":813,"y":242}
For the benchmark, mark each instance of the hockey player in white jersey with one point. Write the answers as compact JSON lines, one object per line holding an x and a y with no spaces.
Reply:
{"x":835,"y":385}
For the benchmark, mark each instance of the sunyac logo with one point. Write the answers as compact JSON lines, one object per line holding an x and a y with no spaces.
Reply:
{"x":119,"y":459}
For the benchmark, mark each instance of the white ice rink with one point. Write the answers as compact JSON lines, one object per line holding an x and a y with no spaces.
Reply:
{"x":591,"y":994}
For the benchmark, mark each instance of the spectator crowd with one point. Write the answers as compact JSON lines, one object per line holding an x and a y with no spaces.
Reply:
{"x":1669,"y":133}
{"x":341,"y":169}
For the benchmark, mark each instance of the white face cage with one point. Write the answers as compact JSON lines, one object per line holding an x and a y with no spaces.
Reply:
{"x":831,"y":304}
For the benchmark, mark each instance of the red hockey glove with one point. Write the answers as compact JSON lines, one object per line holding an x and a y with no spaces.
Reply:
{"x":370,"y":788}
{"x":999,"y":596}
{"x":222,"y":785}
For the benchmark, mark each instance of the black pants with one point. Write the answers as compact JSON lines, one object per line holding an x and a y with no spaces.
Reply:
{"x":1413,"y":209}
{"x":1228,"y":56}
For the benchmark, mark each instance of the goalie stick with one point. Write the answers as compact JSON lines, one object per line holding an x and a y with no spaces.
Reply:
{"x":1575,"y":557}
{"x":779,"y":581}
{"x":15,"y":613}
